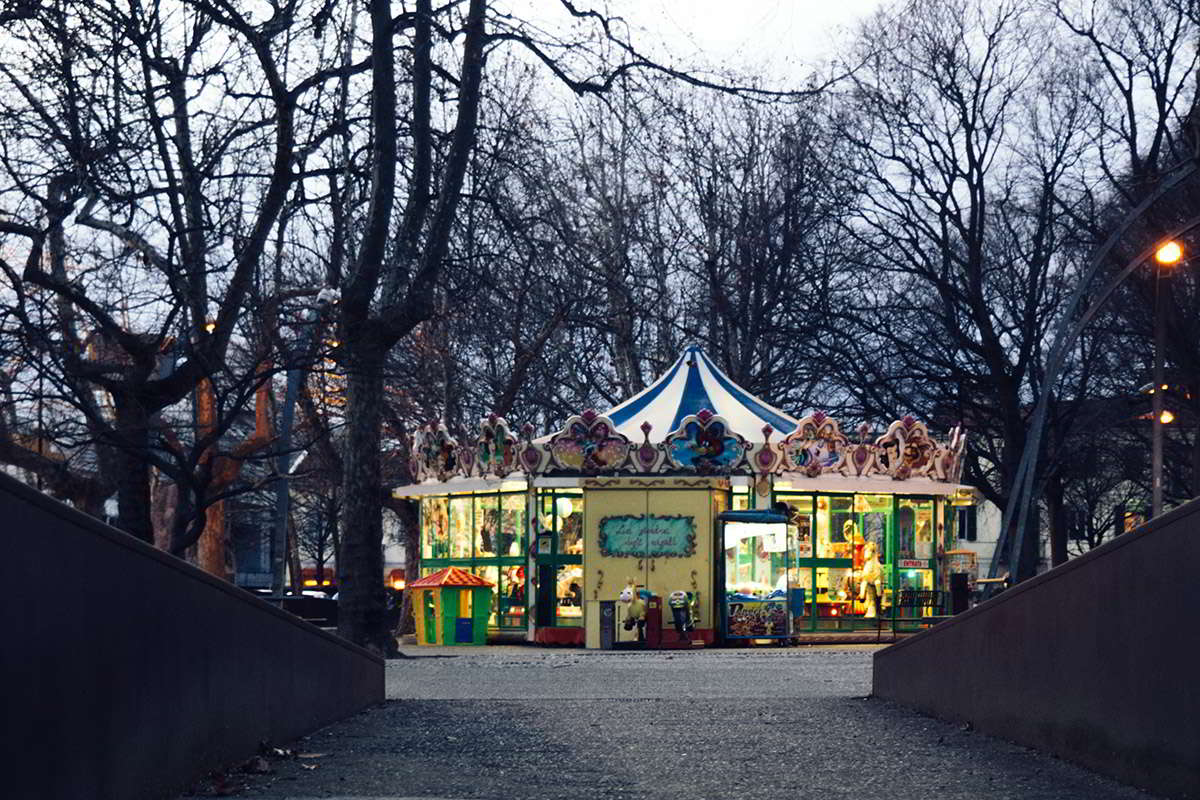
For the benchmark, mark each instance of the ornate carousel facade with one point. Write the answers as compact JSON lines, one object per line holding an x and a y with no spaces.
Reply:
{"x":617,"y":530}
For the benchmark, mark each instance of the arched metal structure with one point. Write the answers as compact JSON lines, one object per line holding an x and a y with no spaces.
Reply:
{"x":1022,"y":495}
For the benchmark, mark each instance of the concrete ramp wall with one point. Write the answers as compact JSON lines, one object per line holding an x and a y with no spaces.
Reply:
{"x":127,"y":673}
{"x":1097,"y":661}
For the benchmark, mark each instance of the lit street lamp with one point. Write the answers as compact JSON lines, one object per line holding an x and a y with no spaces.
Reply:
{"x":1168,"y":255}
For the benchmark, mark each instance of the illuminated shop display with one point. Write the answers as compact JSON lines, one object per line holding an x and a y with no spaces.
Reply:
{"x":621,"y":529}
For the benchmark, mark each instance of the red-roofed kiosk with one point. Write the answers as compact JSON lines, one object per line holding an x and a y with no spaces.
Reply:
{"x":452,"y":607}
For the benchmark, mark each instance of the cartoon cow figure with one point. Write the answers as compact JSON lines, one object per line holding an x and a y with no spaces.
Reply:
{"x":635,"y":610}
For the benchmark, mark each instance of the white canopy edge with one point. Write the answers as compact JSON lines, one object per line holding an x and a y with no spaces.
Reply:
{"x":796,"y":482}
{"x":512,"y":483}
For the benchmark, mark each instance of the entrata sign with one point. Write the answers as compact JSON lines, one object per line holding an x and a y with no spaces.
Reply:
{"x":648,"y":536}
{"x":913,"y":563}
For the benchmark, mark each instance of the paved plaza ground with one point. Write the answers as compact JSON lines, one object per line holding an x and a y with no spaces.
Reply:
{"x":516,"y":722}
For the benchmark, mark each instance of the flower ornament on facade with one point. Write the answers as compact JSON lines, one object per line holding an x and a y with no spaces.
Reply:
{"x":860,"y":458}
{"x":532,"y":456}
{"x":437,"y":454}
{"x":416,"y":446}
{"x":816,"y":446}
{"x":646,"y":456}
{"x":496,"y":448}
{"x":764,"y":459}
{"x":946,"y":464}
{"x":704,"y":443}
{"x":905,"y":449}
{"x":590,"y":444}
{"x":466,"y":460}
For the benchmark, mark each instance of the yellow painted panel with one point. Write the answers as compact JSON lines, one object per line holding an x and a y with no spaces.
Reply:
{"x":418,"y":604}
{"x":605,"y":576}
{"x":437,"y":618}
{"x":690,"y":573}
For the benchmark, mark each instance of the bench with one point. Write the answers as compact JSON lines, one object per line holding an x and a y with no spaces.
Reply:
{"x":916,"y":602}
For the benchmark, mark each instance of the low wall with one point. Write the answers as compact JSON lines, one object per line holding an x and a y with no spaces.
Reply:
{"x":1094,"y":661}
{"x":127,"y":673}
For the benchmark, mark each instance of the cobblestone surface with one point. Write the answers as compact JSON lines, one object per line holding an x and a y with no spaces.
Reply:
{"x":513,"y":722}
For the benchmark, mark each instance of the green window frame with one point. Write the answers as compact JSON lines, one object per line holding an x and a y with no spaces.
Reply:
{"x":467,"y":530}
{"x":862,"y":506}
{"x":563,"y":530}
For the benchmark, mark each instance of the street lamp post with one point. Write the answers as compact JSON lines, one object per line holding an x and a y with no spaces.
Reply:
{"x":1166,"y":256}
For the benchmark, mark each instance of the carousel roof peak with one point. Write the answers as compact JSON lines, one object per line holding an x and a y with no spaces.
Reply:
{"x":695,"y":384}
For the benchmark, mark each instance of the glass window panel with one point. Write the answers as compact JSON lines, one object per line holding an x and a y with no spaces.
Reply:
{"x":568,"y":512}
{"x":487,"y":523}
{"x":435,"y":536}
{"x":427,"y":527}
{"x":760,"y":563}
{"x":832,"y":595}
{"x":875,"y":510}
{"x":925,"y":531}
{"x":492,"y":576}
{"x":460,"y":527}
{"x":914,"y":529}
{"x":512,"y":597}
{"x":741,"y":498}
{"x":800,"y":529}
{"x":544,"y":518}
{"x":511,"y":541}
{"x":836,"y":526}
{"x":905,"y":525}
{"x":910,"y":582}
{"x":569,"y":592}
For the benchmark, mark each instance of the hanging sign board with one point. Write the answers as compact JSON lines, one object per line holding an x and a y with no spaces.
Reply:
{"x":913,"y":563}
{"x":648,"y":536}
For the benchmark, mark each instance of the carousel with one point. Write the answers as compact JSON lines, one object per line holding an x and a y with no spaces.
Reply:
{"x":691,"y":514}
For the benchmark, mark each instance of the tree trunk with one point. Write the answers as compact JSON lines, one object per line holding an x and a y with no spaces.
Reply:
{"x":1057,"y":509}
{"x":293,"y":556}
{"x":408,"y":512}
{"x":1028,"y":557}
{"x":361,"y":596}
{"x":212,"y":548}
{"x":133,"y":476}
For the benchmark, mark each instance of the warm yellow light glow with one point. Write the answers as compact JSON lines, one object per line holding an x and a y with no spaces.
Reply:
{"x":1166,"y":418}
{"x":398,"y":584}
{"x":1169,"y":253}
{"x":310,"y":582}
{"x":210,"y":327}
{"x":963,"y":497}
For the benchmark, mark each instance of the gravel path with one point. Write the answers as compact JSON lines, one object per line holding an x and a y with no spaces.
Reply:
{"x":513,"y":722}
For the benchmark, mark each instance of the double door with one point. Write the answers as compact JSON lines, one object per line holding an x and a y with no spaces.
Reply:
{"x":654,"y":541}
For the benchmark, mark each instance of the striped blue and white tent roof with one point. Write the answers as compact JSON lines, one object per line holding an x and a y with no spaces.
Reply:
{"x":694,"y":383}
